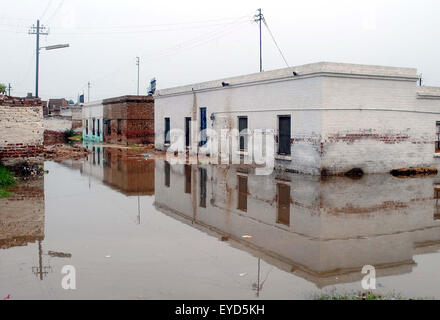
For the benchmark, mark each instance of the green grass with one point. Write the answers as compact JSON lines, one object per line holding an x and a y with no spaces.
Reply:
{"x":4,"y":193}
{"x":6,"y":181}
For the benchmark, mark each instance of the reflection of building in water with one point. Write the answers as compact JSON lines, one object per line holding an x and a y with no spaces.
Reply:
{"x":22,"y":215}
{"x":22,"y":219}
{"x":93,"y":165}
{"x":128,"y":173}
{"x":324,"y":231}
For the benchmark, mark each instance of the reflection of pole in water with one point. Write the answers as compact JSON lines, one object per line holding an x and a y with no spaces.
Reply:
{"x":139,"y":210}
{"x":259,"y":285}
{"x":41,"y":270}
{"x":258,"y":279}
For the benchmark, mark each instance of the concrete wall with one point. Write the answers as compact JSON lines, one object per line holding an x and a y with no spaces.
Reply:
{"x":21,"y":129}
{"x":262,"y":104}
{"x":93,"y":111}
{"x":342,"y":116}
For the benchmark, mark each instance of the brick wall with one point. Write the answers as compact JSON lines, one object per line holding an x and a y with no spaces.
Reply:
{"x":22,"y":215}
{"x":136,"y":117}
{"x":53,"y":137}
{"x":128,"y":173}
{"x":21,"y":129}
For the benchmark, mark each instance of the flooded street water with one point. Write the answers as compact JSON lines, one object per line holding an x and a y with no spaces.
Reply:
{"x":145,"y":229}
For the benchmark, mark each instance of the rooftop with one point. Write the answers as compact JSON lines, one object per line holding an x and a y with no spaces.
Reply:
{"x":307,"y":70}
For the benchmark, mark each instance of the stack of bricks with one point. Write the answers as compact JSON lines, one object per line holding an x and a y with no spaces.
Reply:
{"x":21,"y":129}
{"x":135,"y":115}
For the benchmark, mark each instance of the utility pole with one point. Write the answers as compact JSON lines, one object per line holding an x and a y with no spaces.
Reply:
{"x":88,"y":91}
{"x":259,"y":18}
{"x":138,"y":63}
{"x":9,"y":89}
{"x":37,"y":30}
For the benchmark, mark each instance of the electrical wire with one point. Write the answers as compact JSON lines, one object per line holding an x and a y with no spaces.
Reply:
{"x":45,"y":10}
{"x":276,"y":44}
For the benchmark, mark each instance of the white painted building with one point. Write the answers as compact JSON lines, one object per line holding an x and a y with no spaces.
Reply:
{"x":327,"y":117}
{"x":92,"y":121}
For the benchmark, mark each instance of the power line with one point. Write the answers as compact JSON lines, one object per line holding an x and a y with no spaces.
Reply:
{"x":258,"y":18}
{"x":56,"y":10}
{"x":38,"y":30}
{"x":45,"y":10}
{"x":137,"y":63}
{"x":276,"y":44}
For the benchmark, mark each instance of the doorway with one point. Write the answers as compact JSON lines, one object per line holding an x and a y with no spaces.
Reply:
{"x":284,"y":135}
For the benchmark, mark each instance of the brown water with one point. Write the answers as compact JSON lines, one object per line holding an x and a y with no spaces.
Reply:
{"x":138,"y":229}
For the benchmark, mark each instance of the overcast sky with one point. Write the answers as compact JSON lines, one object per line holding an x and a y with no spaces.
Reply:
{"x":182,"y":42}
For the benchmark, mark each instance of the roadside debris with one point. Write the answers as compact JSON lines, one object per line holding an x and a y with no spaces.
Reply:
{"x":246,"y":236}
{"x":25,"y":170}
{"x":62,"y":152}
{"x":414,"y":172}
{"x":59,"y":254}
{"x":355,"y":173}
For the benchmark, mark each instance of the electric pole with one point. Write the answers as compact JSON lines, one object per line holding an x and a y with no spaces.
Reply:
{"x":138,"y":63}
{"x":37,"y":30}
{"x":259,"y":18}
{"x":9,"y":89}
{"x":88,"y":91}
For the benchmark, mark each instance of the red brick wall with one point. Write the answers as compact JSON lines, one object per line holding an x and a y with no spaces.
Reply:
{"x":19,"y":150}
{"x":137,"y":120}
{"x":53,"y":137}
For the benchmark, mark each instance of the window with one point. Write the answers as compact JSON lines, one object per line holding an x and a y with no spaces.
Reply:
{"x":283,"y":215}
{"x":99,"y":155}
{"x":203,"y":178}
{"x":284,"y":135}
{"x":242,"y":128}
{"x":94,"y":158}
{"x":187,"y":131}
{"x":119,"y":126}
{"x":242,"y":193}
{"x":93,"y":126}
{"x":109,"y":127}
{"x":98,"y":132}
{"x":167,"y":130}
{"x":167,"y":170}
{"x":203,"y":136}
{"x":437,"y":140}
{"x":437,"y":203}
{"x":187,"y":178}
{"x":87,"y":126}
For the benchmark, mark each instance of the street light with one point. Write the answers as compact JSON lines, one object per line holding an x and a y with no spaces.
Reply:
{"x":57,"y":46}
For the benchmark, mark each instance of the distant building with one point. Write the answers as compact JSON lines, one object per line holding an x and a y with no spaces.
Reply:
{"x":327,"y":118}
{"x":129,"y":120}
{"x":55,"y":105}
{"x":92,"y":121}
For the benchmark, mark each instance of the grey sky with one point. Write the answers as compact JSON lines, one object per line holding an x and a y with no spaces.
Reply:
{"x":182,"y":42}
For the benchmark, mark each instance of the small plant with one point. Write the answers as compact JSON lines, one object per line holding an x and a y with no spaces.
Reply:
{"x":68,"y":134}
{"x":6,"y":181}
